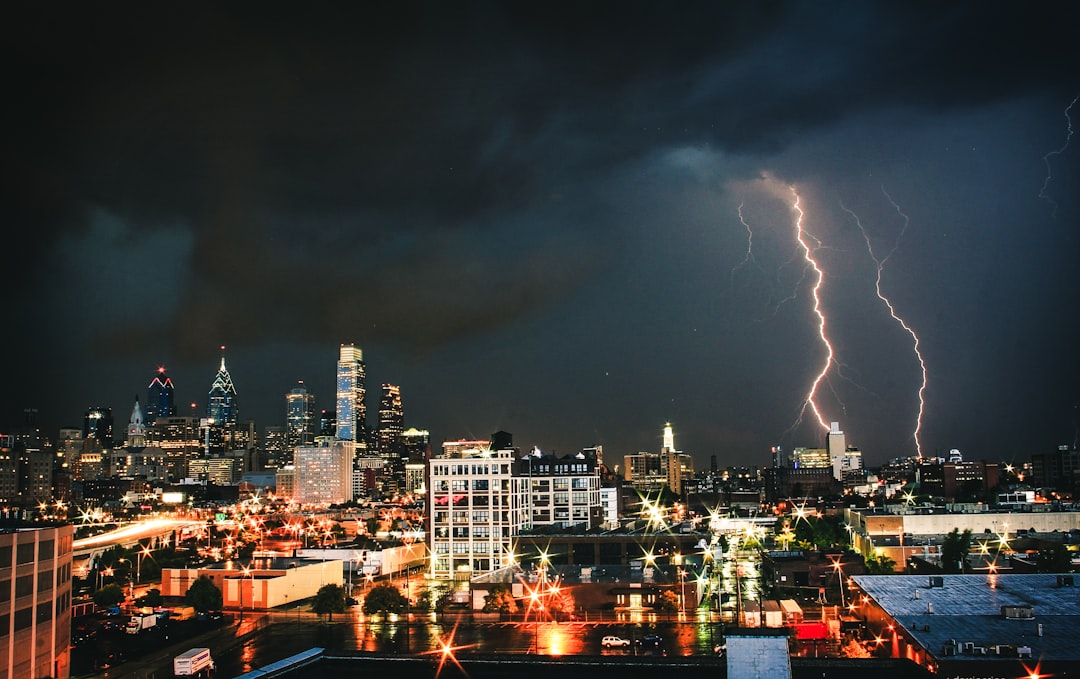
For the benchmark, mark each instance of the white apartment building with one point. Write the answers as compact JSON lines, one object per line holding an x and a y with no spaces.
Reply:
{"x":475,"y":508}
{"x":481,"y":499}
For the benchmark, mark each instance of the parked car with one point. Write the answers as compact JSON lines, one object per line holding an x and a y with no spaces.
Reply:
{"x":650,"y":640}
{"x":351,"y":601}
{"x":613,"y":642}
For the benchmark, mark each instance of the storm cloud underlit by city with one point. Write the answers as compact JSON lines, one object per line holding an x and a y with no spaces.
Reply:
{"x":571,"y":222}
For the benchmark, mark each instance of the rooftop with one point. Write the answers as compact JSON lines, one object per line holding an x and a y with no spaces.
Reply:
{"x":969,"y":608}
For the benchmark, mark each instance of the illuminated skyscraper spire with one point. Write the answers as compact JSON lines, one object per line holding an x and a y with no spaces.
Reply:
{"x":221,"y":402}
{"x":669,"y":438}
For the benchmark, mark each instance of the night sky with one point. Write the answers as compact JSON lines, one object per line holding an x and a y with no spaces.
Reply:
{"x":574,"y":222}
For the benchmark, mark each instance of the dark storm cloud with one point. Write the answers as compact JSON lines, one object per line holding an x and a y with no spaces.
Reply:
{"x":416,"y":174}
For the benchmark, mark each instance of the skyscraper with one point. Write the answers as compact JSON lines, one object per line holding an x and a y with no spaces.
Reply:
{"x":300,"y":417}
{"x":835,"y":444}
{"x":391,"y":424}
{"x":160,"y":397}
{"x":351,"y":410}
{"x":98,"y":424}
{"x":221,"y":402}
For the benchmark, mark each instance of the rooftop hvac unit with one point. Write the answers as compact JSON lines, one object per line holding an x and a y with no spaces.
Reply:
{"x":1023,"y":651}
{"x":937,"y":581}
{"x":929,"y":606}
{"x":1018,"y":612}
{"x":1065,"y":581}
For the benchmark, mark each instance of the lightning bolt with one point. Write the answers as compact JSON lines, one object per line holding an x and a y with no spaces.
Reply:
{"x":880,"y":266}
{"x":749,"y":257}
{"x":801,"y":236}
{"x":1058,"y":152}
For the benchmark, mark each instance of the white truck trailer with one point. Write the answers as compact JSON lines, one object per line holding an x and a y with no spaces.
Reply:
{"x":193,"y":662}
{"x":140,"y":622}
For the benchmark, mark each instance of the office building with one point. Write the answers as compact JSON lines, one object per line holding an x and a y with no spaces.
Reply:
{"x":221,"y":402}
{"x":417,"y":443}
{"x":35,"y":600}
{"x":351,"y":413}
{"x":300,"y":417}
{"x":98,"y":425}
{"x":179,"y":438}
{"x":160,"y":397}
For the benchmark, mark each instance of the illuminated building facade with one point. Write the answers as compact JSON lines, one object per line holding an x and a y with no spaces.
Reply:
{"x":160,"y":397}
{"x":351,"y":409}
{"x":179,"y":439}
{"x":417,"y":444}
{"x":35,"y":600}
{"x":562,"y":491}
{"x":323,"y":473}
{"x":221,"y":405}
{"x":476,"y":506}
{"x":300,"y":417}
{"x":98,"y":425}
{"x":391,"y":424}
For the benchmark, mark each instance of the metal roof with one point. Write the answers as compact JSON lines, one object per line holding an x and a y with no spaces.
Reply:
{"x":969,"y":609}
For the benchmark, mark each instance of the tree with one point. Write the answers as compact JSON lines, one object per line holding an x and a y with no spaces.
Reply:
{"x":954,"y":551}
{"x":384,"y":598}
{"x":109,"y":595}
{"x":880,"y":565}
{"x":204,"y":595}
{"x":499,"y":599}
{"x":1054,"y":559}
{"x":667,"y":603}
{"x":329,"y":599}
{"x":152,"y":598}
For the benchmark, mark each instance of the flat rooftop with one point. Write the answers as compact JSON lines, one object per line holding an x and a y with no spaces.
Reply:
{"x":968,"y":608}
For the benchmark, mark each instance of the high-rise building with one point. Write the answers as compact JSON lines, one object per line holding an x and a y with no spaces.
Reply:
{"x":391,"y":424}
{"x":276,"y":452}
{"x":35,"y":599}
{"x":323,"y":473}
{"x":417,"y":444}
{"x":351,"y":410}
{"x":221,"y":406}
{"x":98,"y":425}
{"x":300,"y":417}
{"x":179,"y":438}
{"x":160,"y":397}
{"x":328,"y":423}
{"x":835,"y":444}
{"x":675,"y":464}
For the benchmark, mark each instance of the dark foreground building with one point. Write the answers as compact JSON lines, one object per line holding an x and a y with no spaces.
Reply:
{"x":318,"y":664}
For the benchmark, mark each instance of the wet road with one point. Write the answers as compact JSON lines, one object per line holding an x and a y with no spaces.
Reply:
{"x":239,"y":646}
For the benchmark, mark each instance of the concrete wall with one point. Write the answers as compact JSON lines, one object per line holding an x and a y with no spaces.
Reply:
{"x":758,"y":656}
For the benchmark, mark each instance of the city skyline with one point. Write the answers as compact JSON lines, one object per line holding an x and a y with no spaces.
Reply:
{"x":573,"y":225}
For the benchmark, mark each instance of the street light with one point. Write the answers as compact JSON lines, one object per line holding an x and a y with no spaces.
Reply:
{"x":840,"y":577}
{"x":245,"y":572}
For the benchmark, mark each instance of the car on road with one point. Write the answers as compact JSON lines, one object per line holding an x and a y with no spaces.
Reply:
{"x":614,"y":642}
{"x":650,"y":641}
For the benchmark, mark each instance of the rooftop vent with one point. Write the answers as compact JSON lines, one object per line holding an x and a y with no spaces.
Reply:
{"x":1064,"y":581}
{"x":1018,"y":612}
{"x":937,"y":581}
